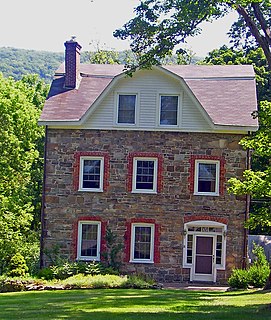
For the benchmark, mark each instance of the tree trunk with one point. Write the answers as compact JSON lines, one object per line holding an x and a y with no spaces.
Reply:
{"x":262,"y":41}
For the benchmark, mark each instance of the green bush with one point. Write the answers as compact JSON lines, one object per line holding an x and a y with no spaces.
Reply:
{"x":17,"y":266}
{"x":259,"y":270}
{"x":95,"y":281}
{"x":255,"y":276}
{"x":239,"y":279}
{"x":69,"y":269}
{"x":139,"y":282}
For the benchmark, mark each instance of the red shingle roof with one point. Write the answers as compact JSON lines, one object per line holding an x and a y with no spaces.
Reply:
{"x":227,"y":93}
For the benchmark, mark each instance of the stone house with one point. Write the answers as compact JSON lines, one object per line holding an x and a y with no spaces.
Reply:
{"x":148,"y":157}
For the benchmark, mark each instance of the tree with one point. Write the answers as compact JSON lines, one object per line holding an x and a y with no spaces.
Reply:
{"x":19,"y":111}
{"x":161,"y":25}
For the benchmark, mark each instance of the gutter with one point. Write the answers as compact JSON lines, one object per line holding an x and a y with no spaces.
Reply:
{"x":248,"y":200}
{"x":43,"y":202}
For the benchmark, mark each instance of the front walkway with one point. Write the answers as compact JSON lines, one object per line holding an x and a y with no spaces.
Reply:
{"x":194,"y":286}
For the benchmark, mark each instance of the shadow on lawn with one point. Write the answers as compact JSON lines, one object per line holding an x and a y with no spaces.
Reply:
{"x":129,"y":305}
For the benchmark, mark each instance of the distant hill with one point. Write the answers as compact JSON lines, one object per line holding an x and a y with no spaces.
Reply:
{"x":18,"y":62}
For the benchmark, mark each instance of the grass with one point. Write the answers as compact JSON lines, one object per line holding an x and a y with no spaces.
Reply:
{"x":131,"y":304}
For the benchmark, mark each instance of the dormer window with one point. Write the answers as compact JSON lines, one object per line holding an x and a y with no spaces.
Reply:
{"x":126,"y":109}
{"x":169,"y":105}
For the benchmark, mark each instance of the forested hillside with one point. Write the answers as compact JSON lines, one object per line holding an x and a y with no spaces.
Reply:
{"x":18,"y":62}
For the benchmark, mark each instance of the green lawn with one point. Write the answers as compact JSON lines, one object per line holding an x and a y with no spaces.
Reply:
{"x":110,"y":304}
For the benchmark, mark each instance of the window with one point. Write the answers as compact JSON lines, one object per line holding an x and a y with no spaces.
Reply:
{"x":126,"y":108}
{"x":89,"y":240}
{"x":91,"y":173}
{"x":206,"y":177}
{"x":142,"y":242}
{"x":169,"y":110}
{"x":145,"y":175}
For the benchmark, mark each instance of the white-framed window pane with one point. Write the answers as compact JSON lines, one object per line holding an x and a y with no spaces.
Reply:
{"x":89,"y":238}
{"x":169,"y":110}
{"x":145,"y":174}
{"x":91,"y":174}
{"x":189,"y":249}
{"x":126,"y":108}
{"x":142,"y":243}
{"x":207,"y":175}
{"x":219,"y":248}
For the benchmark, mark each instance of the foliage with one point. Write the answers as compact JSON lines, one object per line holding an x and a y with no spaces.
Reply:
{"x":18,"y":62}
{"x":17,"y":266}
{"x":68,"y":269}
{"x":256,"y":275}
{"x":159,"y":27}
{"x":112,"y":255}
{"x":258,"y":182}
{"x":20,"y":104}
{"x":239,"y":279}
{"x":95,"y":281}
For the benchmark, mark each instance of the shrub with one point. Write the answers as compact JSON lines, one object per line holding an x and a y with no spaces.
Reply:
{"x":259,"y":270}
{"x":69,"y":269}
{"x":255,"y":276}
{"x":239,"y":279}
{"x":95,"y":281}
{"x":112,"y":254}
{"x":139,"y":282}
{"x":17,"y":266}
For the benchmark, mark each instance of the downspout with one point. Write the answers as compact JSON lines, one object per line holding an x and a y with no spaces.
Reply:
{"x":248,"y":199}
{"x":43,"y":201}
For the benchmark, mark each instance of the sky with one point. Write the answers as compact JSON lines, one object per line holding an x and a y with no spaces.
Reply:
{"x":47,"y":24}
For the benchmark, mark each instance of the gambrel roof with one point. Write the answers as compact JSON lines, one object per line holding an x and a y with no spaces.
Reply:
{"x":227,"y":94}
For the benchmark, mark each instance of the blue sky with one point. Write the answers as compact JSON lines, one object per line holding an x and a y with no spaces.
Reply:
{"x":47,"y":24}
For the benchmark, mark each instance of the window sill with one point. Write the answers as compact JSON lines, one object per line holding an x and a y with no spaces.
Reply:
{"x":141,"y":261}
{"x":206,"y":194}
{"x":144,"y":191}
{"x":90,"y":190}
{"x":88,"y":259}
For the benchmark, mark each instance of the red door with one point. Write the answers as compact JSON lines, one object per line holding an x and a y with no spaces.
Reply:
{"x":204,"y":255}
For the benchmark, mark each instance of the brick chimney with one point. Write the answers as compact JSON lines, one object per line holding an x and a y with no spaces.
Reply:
{"x":72,"y":63}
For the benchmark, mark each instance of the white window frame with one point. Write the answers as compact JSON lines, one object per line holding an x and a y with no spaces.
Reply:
{"x":155,"y":175}
{"x":132,"y":251}
{"x":117,"y":108}
{"x":178,"y":110}
{"x":79,"y":241}
{"x":81,"y":173}
{"x":205,"y":223}
{"x":196,"y":177}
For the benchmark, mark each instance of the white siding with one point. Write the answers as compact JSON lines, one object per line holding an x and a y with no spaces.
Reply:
{"x":147,"y":85}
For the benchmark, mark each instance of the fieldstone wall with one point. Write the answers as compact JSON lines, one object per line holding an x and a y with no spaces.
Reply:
{"x":117,"y":206}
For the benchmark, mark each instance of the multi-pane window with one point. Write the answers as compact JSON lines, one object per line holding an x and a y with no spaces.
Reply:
{"x":142,"y":242}
{"x":91,"y":173}
{"x":206,"y":177}
{"x":145,"y":175}
{"x":126,"y":108}
{"x":169,"y":110}
{"x":189,"y":249}
{"x":219,"y":247}
{"x":89,"y":240}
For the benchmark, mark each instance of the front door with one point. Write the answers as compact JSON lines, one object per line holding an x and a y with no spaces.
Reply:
{"x":203,"y":269}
